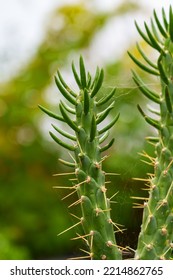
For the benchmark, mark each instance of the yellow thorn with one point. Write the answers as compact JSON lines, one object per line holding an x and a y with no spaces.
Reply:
{"x":141,"y":179}
{"x":113,"y":202}
{"x":113,"y":195}
{"x":68,"y":195}
{"x":75,"y":203}
{"x":115,"y":225}
{"x":108,"y":182}
{"x":167,"y":168}
{"x":75,"y":216}
{"x":162,"y":202}
{"x":81,"y":236}
{"x":63,"y":187}
{"x":79,"y":258}
{"x":115,"y":231}
{"x":144,"y":154}
{"x":112,"y":174}
{"x":147,"y":162}
{"x":72,"y":157}
{"x":137,"y":205}
{"x":140,"y":198}
{"x":70,"y":228}
{"x":92,"y":237}
{"x":88,"y":179}
{"x":170,"y":248}
{"x":105,"y":157}
{"x":64,"y":174}
{"x":110,"y":244}
{"x":131,"y":249}
{"x":73,"y":179}
{"x":86,"y":252}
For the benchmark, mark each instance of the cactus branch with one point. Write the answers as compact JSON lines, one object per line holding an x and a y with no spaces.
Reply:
{"x":155,"y":238}
{"x":90,"y":186}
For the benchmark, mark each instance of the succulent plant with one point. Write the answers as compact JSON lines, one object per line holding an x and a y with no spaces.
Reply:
{"x":156,"y":236}
{"x":83,"y":116}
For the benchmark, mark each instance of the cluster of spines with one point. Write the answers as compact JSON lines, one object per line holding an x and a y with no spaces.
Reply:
{"x":156,"y":236}
{"x":83,"y":118}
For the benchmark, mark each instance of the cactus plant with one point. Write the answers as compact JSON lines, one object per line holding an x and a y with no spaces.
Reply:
{"x":97,"y":224}
{"x":156,"y":236}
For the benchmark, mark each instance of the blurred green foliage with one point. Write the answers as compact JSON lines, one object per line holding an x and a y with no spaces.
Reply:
{"x":31,"y":212}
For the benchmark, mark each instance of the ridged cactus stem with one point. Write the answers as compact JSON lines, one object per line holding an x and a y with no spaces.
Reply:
{"x":83,"y":118}
{"x":156,"y":236}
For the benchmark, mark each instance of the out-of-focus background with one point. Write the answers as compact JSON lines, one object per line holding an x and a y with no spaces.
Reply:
{"x":36,"y":39}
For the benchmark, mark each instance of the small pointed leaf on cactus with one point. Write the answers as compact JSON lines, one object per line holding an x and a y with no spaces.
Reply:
{"x":64,"y":133}
{"x":145,"y":90}
{"x":171,"y":23}
{"x":104,"y":114}
{"x":146,"y":58}
{"x":165,"y":19}
{"x":143,"y":35}
{"x":65,"y":85}
{"x":160,"y":27}
{"x":162,"y":71}
{"x":98,"y":83}
{"x":87,"y":161}
{"x":168,"y":100}
{"x":67,"y":119}
{"x":76,"y":76}
{"x":149,"y":120}
{"x":155,"y":32}
{"x":86,"y":102}
{"x":142,"y":66}
{"x":106,"y":147}
{"x":108,"y":126}
{"x":154,"y":43}
{"x":51,"y":114}
{"x":106,"y":98}
{"x":65,"y":93}
{"x":93,"y":129}
{"x":82,"y":73}
{"x":61,"y":143}
{"x":68,"y":108}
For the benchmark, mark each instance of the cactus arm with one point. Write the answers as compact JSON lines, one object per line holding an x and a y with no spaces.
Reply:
{"x":156,"y":236}
{"x":90,"y":187}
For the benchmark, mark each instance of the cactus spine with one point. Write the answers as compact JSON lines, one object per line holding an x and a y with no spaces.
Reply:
{"x":90,"y":187}
{"x":156,"y":236}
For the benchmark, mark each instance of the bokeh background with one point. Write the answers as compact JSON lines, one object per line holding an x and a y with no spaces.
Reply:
{"x":36,"y":39}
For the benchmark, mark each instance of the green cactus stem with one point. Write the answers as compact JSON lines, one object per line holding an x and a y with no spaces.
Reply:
{"x":156,"y":237}
{"x":83,"y":117}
